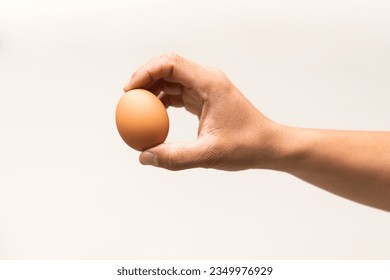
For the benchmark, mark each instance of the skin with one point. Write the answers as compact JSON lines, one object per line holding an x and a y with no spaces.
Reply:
{"x":234,"y":135}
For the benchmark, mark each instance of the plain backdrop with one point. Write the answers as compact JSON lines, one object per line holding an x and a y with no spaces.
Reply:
{"x":71,"y":188}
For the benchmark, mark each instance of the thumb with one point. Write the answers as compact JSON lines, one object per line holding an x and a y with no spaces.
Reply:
{"x":176,"y":156}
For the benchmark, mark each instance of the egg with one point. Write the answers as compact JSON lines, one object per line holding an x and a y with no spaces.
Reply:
{"x":141,"y":119}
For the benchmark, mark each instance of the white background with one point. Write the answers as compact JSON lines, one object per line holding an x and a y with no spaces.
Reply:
{"x":71,"y":188}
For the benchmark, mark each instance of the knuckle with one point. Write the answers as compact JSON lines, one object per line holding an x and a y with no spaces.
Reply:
{"x":216,"y":72}
{"x":223,"y":81}
{"x":222,"y":76}
{"x":173,"y":57}
{"x":221,"y":73}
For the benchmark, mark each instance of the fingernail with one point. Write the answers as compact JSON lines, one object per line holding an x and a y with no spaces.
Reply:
{"x":148,"y":158}
{"x":127,"y":85}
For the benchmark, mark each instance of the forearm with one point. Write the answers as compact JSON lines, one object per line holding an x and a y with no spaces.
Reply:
{"x":352,"y":164}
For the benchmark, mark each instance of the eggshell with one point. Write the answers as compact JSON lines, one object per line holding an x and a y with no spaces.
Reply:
{"x":141,"y":119}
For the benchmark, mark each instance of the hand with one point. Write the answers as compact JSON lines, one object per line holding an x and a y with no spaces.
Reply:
{"x":232,"y":133}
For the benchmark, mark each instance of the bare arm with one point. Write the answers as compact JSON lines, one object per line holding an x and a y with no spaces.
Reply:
{"x":234,"y":135}
{"x":352,"y":164}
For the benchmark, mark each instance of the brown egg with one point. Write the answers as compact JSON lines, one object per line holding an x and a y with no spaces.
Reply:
{"x":141,"y":119}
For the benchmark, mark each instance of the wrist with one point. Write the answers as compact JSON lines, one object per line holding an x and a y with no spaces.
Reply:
{"x":287,"y":148}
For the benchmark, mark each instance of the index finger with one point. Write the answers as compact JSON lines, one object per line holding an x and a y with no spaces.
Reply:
{"x":169,"y":67}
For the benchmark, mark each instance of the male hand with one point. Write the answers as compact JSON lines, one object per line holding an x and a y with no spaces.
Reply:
{"x":232,"y":133}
